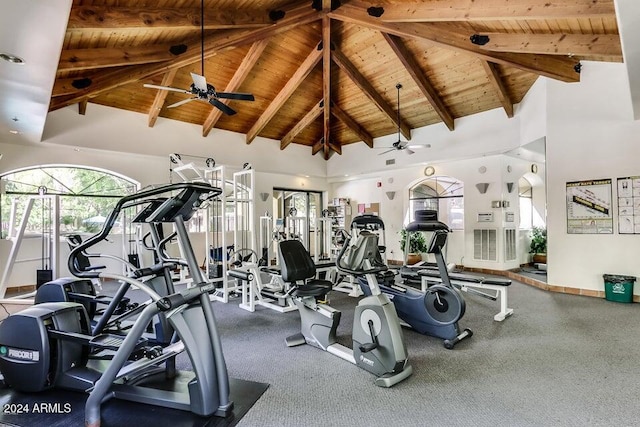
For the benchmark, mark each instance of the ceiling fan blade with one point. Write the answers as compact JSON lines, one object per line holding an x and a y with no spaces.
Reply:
{"x":222,"y":107}
{"x":184,"y":101}
{"x":174,"y":89}
{"x":199,"y":81}
{"x":418,"y":146}
{"x":235,"y":95}
{"x":408,"y":150}
{"x":388,"y":151}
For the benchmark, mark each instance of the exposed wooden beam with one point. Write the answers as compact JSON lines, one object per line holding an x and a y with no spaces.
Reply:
{"x":352,"y":124}
{"x":108,"y":18}
{"x":317,"y":147}
{"x":335,"y":147}
{"x":238,"y":78}
{"x":82,"y":107}
{"x":67,"y":86}
{"x":494,"y":77}
{"x":343,"y":62}
{"x":308,"y":118}
{"x":449,"y":36}
{"x":420,"y":78}
{"x":298,"y":77}
{"x":606,"y":45}
{"x":326,"y":151}
{"x":326,"y":72}
{"x":298,"y":14}
{"x":490,"y":10}
{"x":87,"y":59}
{"x":161,"y":95}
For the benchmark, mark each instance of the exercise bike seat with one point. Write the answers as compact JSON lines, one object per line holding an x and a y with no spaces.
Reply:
{"x":314,"y":288}
{"x":299,"y":269}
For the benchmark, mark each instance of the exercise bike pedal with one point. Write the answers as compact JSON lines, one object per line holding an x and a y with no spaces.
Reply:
{"x":366,"y":348}
{"x":295,"y":340}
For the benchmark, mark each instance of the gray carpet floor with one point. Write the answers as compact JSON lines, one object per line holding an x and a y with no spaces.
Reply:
{"x":560,"y":360}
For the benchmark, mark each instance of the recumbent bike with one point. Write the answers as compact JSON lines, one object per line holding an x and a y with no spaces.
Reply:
{"x":435,"y":311}
{"x":378,"y":343}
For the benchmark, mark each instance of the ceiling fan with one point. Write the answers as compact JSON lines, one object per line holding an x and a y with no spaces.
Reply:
{"x":400,"y":145}
{"x":202,"y":90}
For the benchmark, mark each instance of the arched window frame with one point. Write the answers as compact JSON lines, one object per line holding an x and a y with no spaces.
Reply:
{"x":79,"y":201}
{"x":441,"y":193}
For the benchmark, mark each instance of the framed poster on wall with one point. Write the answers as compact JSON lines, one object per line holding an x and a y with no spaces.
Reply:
{"x":589,"y":207}
{"x":629,"y":205}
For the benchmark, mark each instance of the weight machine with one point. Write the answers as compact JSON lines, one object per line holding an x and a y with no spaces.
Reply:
{"x":50,"y":248}
{"x":219,"y":242}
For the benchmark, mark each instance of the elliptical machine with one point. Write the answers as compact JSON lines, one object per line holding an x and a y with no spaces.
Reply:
{"x":115,"y":314}
{"x":435,"y":312}
{"x":47,"y":345}
{"x":378,"y":344}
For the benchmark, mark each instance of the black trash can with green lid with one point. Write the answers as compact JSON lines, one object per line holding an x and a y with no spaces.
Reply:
{"x":618,"y":288}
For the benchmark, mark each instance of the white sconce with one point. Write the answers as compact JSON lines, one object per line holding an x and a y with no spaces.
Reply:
{"x":264,"y":196}
{"x":482,"y":187}
{"x":391,"y":195}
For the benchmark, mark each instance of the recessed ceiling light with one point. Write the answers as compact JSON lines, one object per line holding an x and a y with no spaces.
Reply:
{"x":15,"y":132}
{"x":11,"y":58}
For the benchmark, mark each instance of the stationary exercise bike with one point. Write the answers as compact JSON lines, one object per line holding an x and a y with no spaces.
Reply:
{"x":378,"y":345}
{"x":437,"y":310}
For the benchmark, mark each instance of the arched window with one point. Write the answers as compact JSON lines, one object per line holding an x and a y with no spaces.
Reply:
{"x":443,"y":194}
{"x":86,"y":195}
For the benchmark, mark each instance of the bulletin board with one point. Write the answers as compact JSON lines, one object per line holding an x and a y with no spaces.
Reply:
{"x":589,"y":207}
{"x":629,"y":205}
{"x":370,"y":208}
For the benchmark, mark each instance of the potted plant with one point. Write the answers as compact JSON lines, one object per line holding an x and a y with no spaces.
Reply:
{"x":538,"y":246}
{"x":417,"y":246}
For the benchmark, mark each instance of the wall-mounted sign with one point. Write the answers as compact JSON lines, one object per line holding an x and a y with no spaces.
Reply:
{"x":485,"y":216}
{"x":589,"y":207}
{"x":509,"y":217}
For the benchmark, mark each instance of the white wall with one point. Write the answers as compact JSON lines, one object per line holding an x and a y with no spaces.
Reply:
{"x":490,"y":132}
{"x":365,"y":189}
{"x":591,"y":134}
{"x":127,"y":132}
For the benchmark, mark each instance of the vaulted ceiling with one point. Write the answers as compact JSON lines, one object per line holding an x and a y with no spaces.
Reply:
{"x":324,"y":73}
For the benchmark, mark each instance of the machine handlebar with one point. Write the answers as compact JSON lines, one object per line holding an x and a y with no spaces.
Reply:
{"x":346,"y":269}
{"x":193,"y":194}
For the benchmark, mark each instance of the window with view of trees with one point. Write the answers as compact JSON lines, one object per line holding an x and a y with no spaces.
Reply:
{"x":442,"y":194}
{"x":86,"y":196}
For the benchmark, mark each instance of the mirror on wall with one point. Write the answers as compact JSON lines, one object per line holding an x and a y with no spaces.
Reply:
{"x":525,"y":173}
{"x":295,"y":213}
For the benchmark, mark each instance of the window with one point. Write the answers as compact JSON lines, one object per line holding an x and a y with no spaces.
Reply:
{"x":86,"y":196}
{"x":525,"y":195}
{"x":443,"y":194}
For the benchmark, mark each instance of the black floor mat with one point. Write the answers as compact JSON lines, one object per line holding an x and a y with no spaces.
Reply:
{"x":57,"y":408}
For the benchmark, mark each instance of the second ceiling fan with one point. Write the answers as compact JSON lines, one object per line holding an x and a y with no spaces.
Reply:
{"x":400,"y":145}
{"x":202,"y":90}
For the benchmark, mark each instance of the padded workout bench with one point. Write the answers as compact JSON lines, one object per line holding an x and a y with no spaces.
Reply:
{"x":476,"y":285}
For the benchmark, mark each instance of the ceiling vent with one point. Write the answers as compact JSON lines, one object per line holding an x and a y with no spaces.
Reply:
{"x":390,"y":162}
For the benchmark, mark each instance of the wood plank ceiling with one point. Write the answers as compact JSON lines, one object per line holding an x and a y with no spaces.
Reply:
{"x":324,"y":72}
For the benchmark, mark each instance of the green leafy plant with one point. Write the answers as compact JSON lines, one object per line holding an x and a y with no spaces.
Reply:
{"x":417,"y":242}
{"x":538,"y":240}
